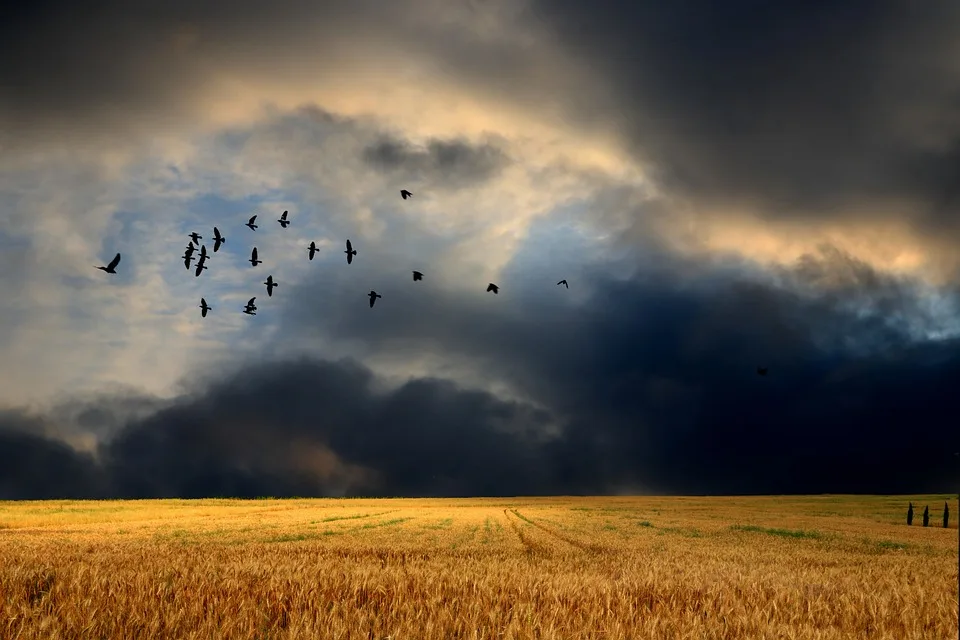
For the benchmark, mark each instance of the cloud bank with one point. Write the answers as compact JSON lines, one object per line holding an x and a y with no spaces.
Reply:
{"x":647,"y":386}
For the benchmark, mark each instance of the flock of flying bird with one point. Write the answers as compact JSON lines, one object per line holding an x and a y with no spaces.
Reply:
{"x":251,"y":308}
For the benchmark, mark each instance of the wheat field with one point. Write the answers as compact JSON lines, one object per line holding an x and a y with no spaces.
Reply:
{"x":701,"y":568}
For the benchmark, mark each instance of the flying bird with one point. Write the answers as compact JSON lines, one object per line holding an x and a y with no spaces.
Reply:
{"x":187,"y":259}
{"x":253,"y":258}
{"x":251,"y":308}
{"x":762,"y":371}
{"x":350,"y":252}
{"x":204,"y":307}
{"x":283,"y":220}
{"x":493,"y":287}
{"x":405,"y":194}
{"x":195,"y":238}
{"x":270,"y":285}
{"x":312,"y":249}
{"x":564,"y":283}
{"x":203,"y":253}
{"x":417,"y":276}
{"x":200,"y":265}
{"x":190,"y":248}
{"x":373,"y":297}
{"x":217,"y":239}
{"x":112,"y":267}
{"x":250,"y":223}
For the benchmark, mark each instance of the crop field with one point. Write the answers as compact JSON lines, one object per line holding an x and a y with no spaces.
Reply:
{"x":699,"y":568}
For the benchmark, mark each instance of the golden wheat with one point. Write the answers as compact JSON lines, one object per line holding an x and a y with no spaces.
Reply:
{"x":619,"y":567}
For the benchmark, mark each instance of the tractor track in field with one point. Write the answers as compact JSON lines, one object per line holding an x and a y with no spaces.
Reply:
{"x":531,"y":546}
{"x":583,"y":546}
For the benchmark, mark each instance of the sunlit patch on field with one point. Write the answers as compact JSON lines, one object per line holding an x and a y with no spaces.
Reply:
{"x":793,"y":567}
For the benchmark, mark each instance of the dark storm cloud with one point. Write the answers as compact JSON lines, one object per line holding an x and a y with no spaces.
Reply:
{"x":449,"y":163}
{"x":103,"y":414}
{"x":118,"y":63}
{"x":35,"y":466}
{"x":797,"y":108}
{"x":653,"y":376}
{"x":651,"y":385}
{"x":241,"y":437}
{"x":113,"y":59}
{"x":650,"y":382}
{"x":293,"y":428}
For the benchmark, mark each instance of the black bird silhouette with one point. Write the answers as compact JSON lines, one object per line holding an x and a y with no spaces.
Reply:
{"x":203,"y":253}
{"x":373,"y":297}
{"x":200,"y":265}
{"x":187,"y":259}
{"x":195,"y":238}
{"x":112,"y":267}
{"x":564,"y":283}
{"x":312,"y":249}
{"x":283,"y":220}
{"x":251,"y":308}
{"x":417,"y":276}
{"x":217,"y":239}
{"x":493,"y":287}
{"x":250,"y":223}
{"x":762,"y":371}
{"x":190,"y":248}
{"x":253,"y":258}
{"x":350,"y":252}
{"x":270,"y":285}
{"x":405,"y":194}
{"x":204,"y":307}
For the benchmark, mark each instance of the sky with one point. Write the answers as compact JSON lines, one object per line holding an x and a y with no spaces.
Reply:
{"x":723,"y":185}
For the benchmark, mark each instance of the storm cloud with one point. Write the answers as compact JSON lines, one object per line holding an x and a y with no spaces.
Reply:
{"x":37,"y":466}
{"x":649,"y":386}
{"x":297,"y":427}
{"x":660,"y":368}
{"x":115,"y":58}
{"x":810,"y":109}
